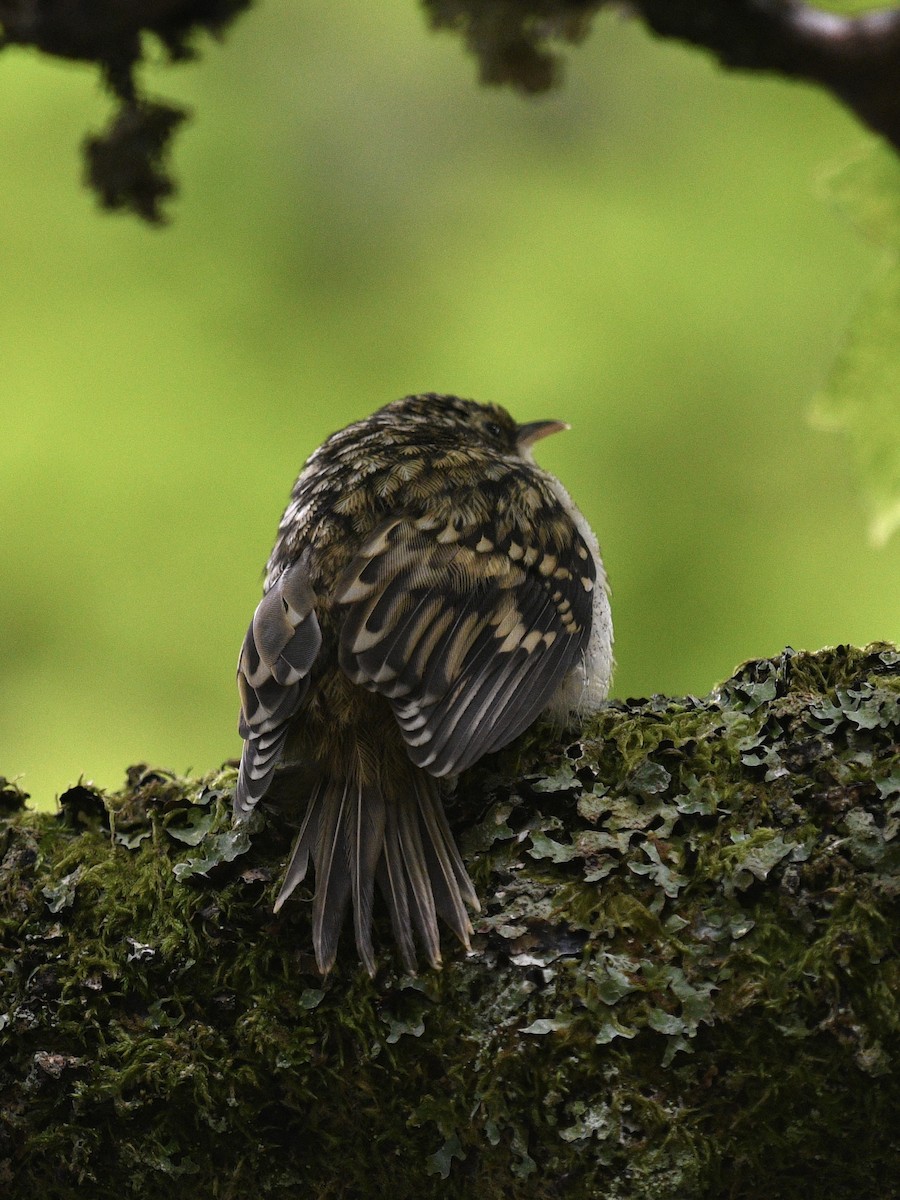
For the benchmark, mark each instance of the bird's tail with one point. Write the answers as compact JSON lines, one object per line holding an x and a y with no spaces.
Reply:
{"x":356,"y":833}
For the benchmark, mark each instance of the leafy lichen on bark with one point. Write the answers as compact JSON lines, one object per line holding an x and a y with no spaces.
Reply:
{"x":684,"y":979}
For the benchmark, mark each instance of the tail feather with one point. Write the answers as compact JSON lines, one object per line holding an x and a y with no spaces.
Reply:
{"x":356,"y":835}
{"x":420,"y":895}
{"x":451,"y":885}
{"x":333,"y":852}
{"x":306,"y":839}
{"x":448,"y":901}
{"x":392,"y":881}
{"x":366,"y":837}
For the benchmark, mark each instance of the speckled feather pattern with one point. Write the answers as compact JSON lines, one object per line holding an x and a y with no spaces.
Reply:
{"x":431,"y":592}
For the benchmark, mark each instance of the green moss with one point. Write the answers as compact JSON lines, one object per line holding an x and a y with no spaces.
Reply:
{"x":683,"y":983}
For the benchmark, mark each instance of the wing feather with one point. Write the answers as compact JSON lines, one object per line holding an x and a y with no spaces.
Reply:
{"x":467,"y":639}
{"x":279,"y":650}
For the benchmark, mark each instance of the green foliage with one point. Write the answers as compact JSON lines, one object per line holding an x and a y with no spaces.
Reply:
{"x":863,"y":394}
{"x":683,"y":981}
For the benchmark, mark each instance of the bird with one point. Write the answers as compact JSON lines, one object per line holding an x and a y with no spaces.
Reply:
{"x":431,"y":593}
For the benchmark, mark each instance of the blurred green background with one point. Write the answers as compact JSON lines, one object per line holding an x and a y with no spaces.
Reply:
{"x":641,"y":253}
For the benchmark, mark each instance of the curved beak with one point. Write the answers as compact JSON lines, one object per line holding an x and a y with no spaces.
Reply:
{"x":527,"y":435}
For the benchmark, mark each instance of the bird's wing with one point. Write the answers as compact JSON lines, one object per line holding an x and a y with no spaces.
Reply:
{"x":467,"y":639}
{"x":273,"y":675}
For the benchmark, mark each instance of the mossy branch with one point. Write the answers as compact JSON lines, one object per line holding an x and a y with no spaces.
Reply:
{"x":684,"y":981}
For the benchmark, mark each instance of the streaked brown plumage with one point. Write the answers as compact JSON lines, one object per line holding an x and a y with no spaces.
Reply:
{"x":431,"y":592}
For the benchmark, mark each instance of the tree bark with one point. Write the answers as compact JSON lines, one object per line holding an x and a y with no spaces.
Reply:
{"x":684,"y":980}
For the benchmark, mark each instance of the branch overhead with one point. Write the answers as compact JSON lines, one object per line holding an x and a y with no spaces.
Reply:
{"x":856,"y":58}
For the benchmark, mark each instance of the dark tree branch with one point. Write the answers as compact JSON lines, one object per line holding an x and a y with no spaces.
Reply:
{"x":855,"y":58}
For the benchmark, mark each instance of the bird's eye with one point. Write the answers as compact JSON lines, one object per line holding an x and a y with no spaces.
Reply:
{"x":493,"y":429}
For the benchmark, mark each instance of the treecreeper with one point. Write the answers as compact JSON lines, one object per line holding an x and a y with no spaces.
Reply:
{"x":432,"y":592}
